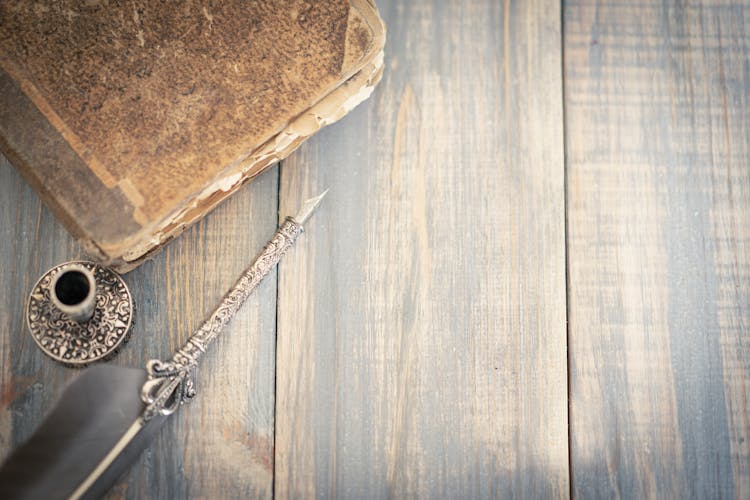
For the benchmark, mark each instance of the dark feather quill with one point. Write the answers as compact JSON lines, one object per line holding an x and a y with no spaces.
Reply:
{"x":92,"y":415}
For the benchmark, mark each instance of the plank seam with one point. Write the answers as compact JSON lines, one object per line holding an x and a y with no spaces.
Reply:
{"x":276,"y":339}
{"x":566,"y":245}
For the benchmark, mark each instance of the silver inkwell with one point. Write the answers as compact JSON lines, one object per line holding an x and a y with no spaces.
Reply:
{"x":80,"y":312}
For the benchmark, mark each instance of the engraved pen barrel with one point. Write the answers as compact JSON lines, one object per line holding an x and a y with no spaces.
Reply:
{"x":189,"y":355}
{"x":169,"y":383}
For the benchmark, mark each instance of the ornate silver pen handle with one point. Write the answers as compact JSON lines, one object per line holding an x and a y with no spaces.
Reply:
{"x":170,"y":383}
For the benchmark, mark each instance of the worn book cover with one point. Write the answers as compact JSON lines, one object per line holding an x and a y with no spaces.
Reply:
{"x":134,"y":119}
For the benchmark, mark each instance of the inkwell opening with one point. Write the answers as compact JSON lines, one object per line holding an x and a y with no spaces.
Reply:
{"x":72,"y":287}
{"x":73,"y":292}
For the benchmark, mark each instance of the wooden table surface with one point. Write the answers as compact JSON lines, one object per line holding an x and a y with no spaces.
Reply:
{"x":530,"y":278}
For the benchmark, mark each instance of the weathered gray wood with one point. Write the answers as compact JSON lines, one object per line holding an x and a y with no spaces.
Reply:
{"x":658,"y":134}
{"x":221,"y":444}
{"x":421,"y":330}
{"x":421,"y":319}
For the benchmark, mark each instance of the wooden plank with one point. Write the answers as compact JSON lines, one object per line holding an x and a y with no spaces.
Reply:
{"x":421,"y":330}
{"x":221,"y":444}
{"x":657,"y":129}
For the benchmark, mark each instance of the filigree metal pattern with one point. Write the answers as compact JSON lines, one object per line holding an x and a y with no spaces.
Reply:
{"x":169,"y":383}
{"x":74,"y":343}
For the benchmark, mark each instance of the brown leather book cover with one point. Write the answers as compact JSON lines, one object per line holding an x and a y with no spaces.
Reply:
{"x":134,"y":119}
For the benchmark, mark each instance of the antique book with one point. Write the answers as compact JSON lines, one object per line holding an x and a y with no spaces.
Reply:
{"x":133,"y":120}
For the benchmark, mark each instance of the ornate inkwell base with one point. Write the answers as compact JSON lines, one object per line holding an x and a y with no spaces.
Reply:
{"x":80,"y":312}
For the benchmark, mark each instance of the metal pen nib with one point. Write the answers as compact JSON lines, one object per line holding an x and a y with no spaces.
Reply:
{"x":308,"y":207}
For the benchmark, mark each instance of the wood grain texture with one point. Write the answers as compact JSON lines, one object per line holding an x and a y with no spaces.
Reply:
{"x":220,"y":445}
{"x":421,"y":334}
{"x":420,"y":346}
{"x":657,"y":129}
